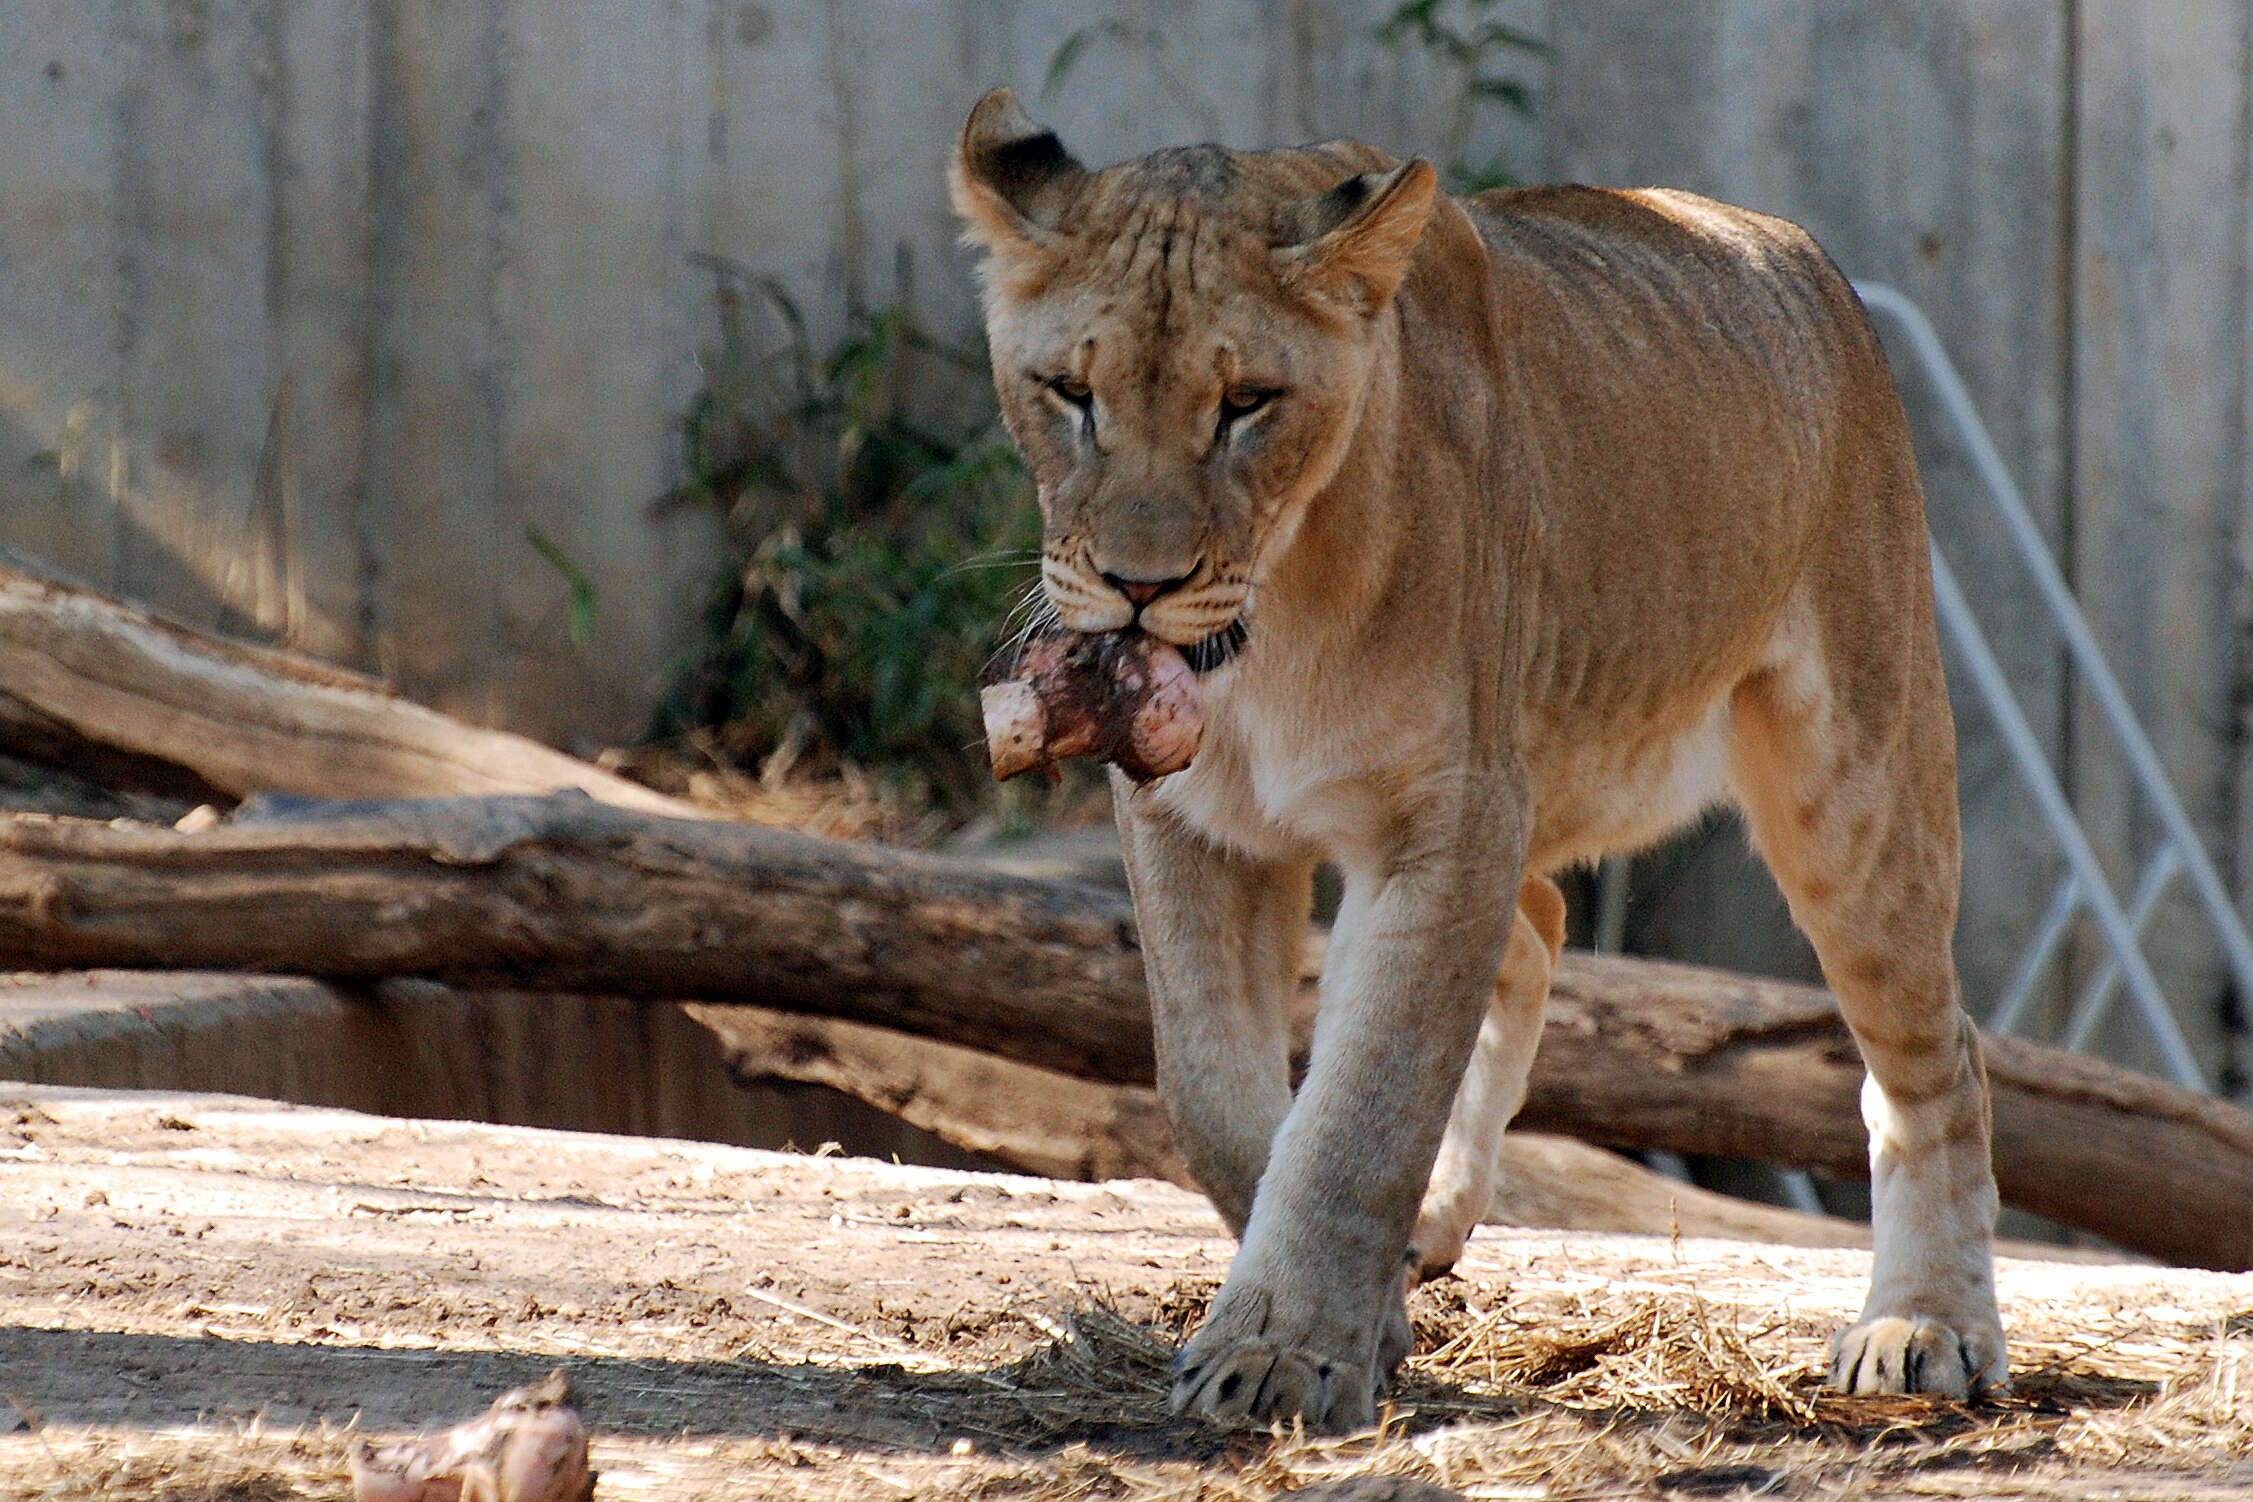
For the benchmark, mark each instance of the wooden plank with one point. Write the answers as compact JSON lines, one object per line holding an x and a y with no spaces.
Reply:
{"x":308,"y":502}
{"x":58,"y":267}
{"x":193,"y":388}
{"x":388,"y":250}
{"x":442,"y":234}
{"x":769,"y":194}
{"x":2161,"y":210}
{"x":1936,"y":162}
{"x":590,"y":433}
{"x":2237,"y":1064}
{"x":158,"y":304}
{"x":1634,"y":95}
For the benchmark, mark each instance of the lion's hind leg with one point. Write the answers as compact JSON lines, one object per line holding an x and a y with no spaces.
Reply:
{"x":1845,"y":765}
{"x":1494,"y":1085}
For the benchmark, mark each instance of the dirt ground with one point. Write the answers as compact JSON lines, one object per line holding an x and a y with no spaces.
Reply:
{"x":202,"y":1297}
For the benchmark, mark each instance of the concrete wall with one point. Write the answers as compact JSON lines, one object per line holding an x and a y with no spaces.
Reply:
{"x":308,"y":312}
{"x":312,"y":310}
{"x":583,"y":1063}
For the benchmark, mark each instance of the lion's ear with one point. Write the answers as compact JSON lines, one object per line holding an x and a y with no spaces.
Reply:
{"x":1353,"y":242}
{"x":1011,"y":179}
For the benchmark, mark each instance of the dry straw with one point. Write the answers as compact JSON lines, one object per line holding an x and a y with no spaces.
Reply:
{"x":1668,"y":1396}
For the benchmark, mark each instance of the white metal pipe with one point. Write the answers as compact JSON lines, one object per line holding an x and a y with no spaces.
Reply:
{"x":2048,"y":935}
{"x":1611,"y":904}
{"x":2018,"y":738}
{"x":2096,"y":1000}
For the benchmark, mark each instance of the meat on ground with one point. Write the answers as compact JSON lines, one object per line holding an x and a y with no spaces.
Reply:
{"x":530,"y":1446}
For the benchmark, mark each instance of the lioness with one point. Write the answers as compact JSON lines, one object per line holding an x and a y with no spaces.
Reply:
{"x":1505,"y":531}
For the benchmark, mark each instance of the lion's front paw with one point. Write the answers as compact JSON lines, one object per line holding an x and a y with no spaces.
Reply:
{"x":1258,"y":1381}
{"x":1915,"y":1354}
{"x":1248,"y":1365}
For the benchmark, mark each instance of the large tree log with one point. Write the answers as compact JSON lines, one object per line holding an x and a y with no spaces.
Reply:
{"x":81,"y":673}
{"x":1041,"y":1122}
{"x":1637,"y":1053}
{"x":1038,"y":1121}
{"x":564,"y":894}
{"x":1034,"y":1120}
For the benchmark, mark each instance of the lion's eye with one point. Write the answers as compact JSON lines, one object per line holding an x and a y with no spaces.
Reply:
{"x":1071,"y":389}
{"x":1236,"y":403}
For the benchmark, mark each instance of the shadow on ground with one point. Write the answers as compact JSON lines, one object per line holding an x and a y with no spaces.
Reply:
{"x":1100,"y":1382}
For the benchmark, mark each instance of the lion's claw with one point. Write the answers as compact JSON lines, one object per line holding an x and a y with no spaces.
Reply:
{"x":1395,"y":1338}
{"x":1916,"y":1354}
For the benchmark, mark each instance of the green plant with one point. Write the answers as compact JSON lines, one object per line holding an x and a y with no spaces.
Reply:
{"x":584,"y":598}
{"x":1463,"y":35}
{"x":878,"y":541}
{"x":1148,"y":44}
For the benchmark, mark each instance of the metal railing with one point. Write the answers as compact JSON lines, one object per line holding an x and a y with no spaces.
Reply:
{"x":2084,"y":886}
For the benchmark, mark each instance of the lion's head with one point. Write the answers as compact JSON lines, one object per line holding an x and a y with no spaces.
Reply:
{"x":1181,"y":345}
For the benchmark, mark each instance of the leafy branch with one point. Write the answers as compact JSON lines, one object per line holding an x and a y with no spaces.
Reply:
{"x":874,"y":549}
{"x":1461,"y":35}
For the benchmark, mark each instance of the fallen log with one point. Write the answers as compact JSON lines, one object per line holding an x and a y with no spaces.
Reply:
{"x":88,"y":681}
{"x":1037,"y":1121}
{"x":1644,"y":1054}
{"x":563,"y":894}
{"x":1034,"y":1120}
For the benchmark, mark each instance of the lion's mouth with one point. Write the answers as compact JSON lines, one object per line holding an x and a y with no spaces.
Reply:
{"x":1217,"y":648}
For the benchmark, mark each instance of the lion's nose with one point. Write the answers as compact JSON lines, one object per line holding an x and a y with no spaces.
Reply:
{"x":1143,"y":591}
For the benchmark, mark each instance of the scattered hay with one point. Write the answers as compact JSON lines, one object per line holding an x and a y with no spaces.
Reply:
{"x":1099,"y":1371}
{"x":1660,"y":1353}
{"x":1669,"y":1397}
{"x":2199,"y":1415}
{"x":853,"y":804}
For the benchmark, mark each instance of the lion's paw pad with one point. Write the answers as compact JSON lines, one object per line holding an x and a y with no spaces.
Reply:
{"x":1256,"y":1383}
{"x":1917,"y":1354}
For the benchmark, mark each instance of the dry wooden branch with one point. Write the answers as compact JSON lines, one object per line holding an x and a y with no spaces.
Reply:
{"x":1034,"y":1120}
{"x":563,"y":894}
{"x":1038,"y":1121}
{"x":80,"y":671}
{"x":1642,"y":1054}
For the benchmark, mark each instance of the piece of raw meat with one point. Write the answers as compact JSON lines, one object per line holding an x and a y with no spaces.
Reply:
{"x":530,"y":1446}
{"x":1124,"y":697}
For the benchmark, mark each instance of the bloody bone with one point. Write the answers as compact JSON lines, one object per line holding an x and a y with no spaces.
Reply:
{"x":530,"y":1446}
{"x":1120,"y":696}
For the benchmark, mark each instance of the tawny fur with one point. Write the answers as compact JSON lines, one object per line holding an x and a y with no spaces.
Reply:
{"x":1553,"y":516}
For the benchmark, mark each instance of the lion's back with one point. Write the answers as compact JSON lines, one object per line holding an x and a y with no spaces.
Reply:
{"x":1626,"y":269}
{"x":1707,"y":407}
